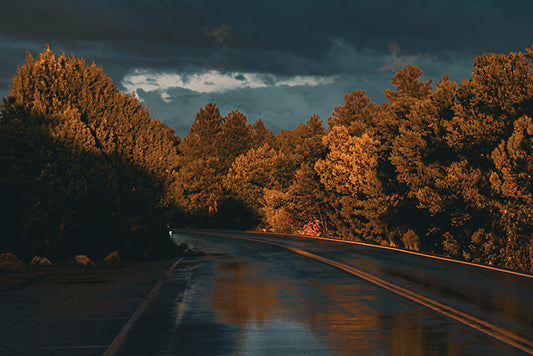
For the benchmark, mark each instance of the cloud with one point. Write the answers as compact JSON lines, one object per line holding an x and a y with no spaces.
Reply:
{"x":219,"y":35}
{"x":213,"y":81}
{"x":282,"y":101}
{"x":279,"y":61}
{"x":398,"y":60}
{"x":280,"y":107}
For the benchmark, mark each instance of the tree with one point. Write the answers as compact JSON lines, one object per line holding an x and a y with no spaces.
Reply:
{"x":498,"y":92}
{"x":304,"y":205}
{"x":234,"y":138}
{"x":208,"y":152}
{"x":201,"y":168}
{"x":96,"y":177}
{"x":350,"y":172}
{"x":357,"y":113}
{"x":307,"y":203}
{"x":257,"y":172}
{"x":201,"y":140}
{"x":512,"y":182}
{"x":350,"y":165}
{"x":261,"y":135}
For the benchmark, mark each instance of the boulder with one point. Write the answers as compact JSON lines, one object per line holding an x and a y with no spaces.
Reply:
{"x":9,"y":262}
{"x":41,"y":262}
{"x":84,"y":261}
{"x":112,"y":258}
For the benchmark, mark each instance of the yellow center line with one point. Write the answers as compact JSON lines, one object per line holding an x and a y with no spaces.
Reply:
{"x":410,"y":252}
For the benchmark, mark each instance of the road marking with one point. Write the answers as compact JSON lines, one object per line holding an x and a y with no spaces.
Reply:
{"x":126,"y":328}
{"x":436,"y":257}
{"x":485,"y":327}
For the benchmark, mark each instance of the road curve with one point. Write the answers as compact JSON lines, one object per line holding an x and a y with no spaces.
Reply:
{"x":259,"y":294}
{"x":501,"y":298}
{"x":499,"y":330}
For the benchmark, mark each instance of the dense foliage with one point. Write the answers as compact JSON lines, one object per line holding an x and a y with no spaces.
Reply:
{"x":442,"y":167}
{"x":84,"y":169}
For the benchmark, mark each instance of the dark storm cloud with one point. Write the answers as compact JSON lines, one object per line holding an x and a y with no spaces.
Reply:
{"x":361,"y":43}
{"x":303,"y":28}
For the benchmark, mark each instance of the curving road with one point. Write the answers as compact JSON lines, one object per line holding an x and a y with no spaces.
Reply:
{"x":282,"y":295}
{"x":259,"y":294}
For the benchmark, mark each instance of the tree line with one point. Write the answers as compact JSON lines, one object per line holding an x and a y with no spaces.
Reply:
{"x":438,"y":167}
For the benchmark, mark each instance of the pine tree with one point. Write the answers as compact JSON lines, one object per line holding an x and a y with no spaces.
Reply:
{"x":357,"y":113}
{"x":512,"y":181}
{"x":99,"y":168}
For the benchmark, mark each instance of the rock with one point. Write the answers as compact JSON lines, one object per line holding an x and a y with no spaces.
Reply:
{"x":112,"y":258}
{"x":9,"y":262}
{"x":41,"y":262}
{"x":84,"y":261}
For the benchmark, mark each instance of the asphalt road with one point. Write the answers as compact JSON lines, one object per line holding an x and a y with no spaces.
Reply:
{"x":72,"y":310}
{"x":242,"y":297}
{"x":251,"y":298}
{"x":499,"y":297}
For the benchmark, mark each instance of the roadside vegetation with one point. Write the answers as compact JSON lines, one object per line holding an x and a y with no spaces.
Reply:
{"x":439,"y":167}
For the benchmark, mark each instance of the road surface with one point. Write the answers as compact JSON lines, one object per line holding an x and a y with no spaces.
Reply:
{"x":246,"y":297}
{"x":258,"y":294}
{"x":72,"y":310}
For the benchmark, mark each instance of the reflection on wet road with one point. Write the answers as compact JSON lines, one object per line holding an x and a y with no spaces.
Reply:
{"x":248,"y":298}
{"x":503,"y":299}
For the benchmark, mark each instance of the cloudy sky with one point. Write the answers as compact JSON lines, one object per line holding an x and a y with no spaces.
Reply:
{"x":280,"y":61}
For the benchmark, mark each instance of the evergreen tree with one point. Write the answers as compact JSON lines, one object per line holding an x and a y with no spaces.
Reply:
{"x":357,"y":113}
{"x":512,"y":181}
{"x":99,"y":165}
{"x":208,"y":151}
{"x":200,"y":166}
{"x":445,"y":170}
{"x":258,"y":174}
{"x":234,"y":138}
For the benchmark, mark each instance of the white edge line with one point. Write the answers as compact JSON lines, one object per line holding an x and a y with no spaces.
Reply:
{"x":126,"y":328}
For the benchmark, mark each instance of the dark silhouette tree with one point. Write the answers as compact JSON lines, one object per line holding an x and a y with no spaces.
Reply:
{"x":99,"y":166}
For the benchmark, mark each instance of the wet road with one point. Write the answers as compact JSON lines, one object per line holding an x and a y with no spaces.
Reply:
{"x":72,"y":310}
{"x":251,"y":298}
{"x":499,"y":297}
